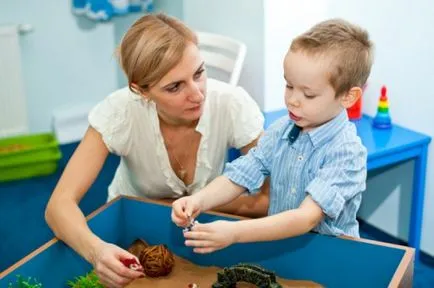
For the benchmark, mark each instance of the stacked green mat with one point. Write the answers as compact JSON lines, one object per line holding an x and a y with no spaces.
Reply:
{"x":28,"y":156}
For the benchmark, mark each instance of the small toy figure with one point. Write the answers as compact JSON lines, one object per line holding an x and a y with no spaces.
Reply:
{"x":189,"y":227}
{"x":382,"y":119}
{"x":132,"y":264}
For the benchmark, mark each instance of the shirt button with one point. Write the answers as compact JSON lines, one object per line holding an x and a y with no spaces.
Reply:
{"x":293,"y":190}
{"x":300,"y":158}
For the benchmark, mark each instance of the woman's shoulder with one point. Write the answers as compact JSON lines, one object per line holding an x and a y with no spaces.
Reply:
{"x":118,"y":103}
{"x":228,"y":97}
{"x":122,"y":96}
{"x":217,"y":88}
{"x":114,"y":119}
{"x":235,"y":111}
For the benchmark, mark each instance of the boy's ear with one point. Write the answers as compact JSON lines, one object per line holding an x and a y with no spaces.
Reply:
{"x":349,"y":98}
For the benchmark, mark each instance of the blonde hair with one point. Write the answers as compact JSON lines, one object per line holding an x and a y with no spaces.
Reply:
{"x":347,"y":44}
{"x":151,"y":47}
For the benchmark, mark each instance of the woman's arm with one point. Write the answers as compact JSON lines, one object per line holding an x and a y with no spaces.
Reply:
{"x":63,"y":214}
{"x":244,"y":150}
{"x":245,"y":205}
{"x":68,"y":222}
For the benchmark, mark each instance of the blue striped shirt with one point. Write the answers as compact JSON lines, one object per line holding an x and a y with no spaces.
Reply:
{"x":328,"y":162}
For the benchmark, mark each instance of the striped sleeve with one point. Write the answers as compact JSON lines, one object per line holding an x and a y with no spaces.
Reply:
{"x":341,"y":177}
{"x":250,"y":170}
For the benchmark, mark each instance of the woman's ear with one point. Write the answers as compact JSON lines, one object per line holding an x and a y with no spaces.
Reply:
{"x":139,"y":90}
{"x":351,"y":97}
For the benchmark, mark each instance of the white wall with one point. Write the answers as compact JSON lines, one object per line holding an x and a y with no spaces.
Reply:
{"x":65,"y":60}
{"x":402,"y":33}
{"x":284,"y":20}
{"x":241,"y":19}
{"x":68,"y":60}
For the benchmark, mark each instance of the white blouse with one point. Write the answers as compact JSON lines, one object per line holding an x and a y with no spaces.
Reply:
{"x":130,"y":128}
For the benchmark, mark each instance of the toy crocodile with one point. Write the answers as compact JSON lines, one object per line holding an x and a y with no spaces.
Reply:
{"x":253,"y":274}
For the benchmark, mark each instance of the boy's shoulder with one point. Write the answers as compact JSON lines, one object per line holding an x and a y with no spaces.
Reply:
{"x":346,"y":139}
{"x":348,"y":133}
{"x":336,"y":132}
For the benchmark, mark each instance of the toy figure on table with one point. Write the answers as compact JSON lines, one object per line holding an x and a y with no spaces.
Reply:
{"x":382,"y":120}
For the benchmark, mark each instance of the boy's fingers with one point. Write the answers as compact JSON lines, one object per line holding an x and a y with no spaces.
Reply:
{"x":188,"y":211}
{"x":179,"y":221}
{"x":195,"y":213}
{"x":204,"y":250}
{"x":195,"y":235}
{"x":198,"y":227}
{"x":199,"y":243}
{"x":178,"y":213}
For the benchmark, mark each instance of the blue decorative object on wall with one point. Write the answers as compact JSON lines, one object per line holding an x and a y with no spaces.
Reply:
{"x":104,"y":10}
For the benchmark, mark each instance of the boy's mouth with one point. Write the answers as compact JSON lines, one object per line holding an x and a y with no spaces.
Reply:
{"x":294,"y":117}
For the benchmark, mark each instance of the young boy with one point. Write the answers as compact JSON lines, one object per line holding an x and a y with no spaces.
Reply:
{"x":314,"y":158}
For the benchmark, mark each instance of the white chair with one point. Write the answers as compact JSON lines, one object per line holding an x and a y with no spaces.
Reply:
{"x":222,"y":53}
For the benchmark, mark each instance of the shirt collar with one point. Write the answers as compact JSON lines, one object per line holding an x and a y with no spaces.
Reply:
{"x":323,"y":133}
{"x":327,"y":131}
{"x":203,"y":124}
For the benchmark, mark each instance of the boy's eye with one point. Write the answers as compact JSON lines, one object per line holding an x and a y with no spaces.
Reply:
{"x":309,"y":96}
{"x":289,"y":87}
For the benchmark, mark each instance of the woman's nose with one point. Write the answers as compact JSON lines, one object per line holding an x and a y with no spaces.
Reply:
{"x":196,"y":94}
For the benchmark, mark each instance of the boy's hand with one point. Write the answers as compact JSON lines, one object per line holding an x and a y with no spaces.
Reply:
{"x":207,"y":238}
{"x":184,"y":210}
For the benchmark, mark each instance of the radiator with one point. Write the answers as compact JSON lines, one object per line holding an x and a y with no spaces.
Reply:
{"x":13,"y":110}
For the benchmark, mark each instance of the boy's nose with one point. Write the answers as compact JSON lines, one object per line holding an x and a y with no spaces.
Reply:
{"x":292,"y":101}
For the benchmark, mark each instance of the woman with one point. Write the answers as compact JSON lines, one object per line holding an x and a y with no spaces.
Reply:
{"x":170,"y":128}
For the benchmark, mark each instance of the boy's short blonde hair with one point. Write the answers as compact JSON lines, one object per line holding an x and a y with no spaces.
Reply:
{"x":347,"y":45}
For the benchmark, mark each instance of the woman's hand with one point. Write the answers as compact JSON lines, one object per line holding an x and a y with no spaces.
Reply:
{"x":107,"y":262}
{"x":210,"y":237}
{"x":184,"y":210}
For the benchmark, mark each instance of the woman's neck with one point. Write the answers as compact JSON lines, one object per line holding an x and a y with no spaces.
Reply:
{"x":176,"y":123}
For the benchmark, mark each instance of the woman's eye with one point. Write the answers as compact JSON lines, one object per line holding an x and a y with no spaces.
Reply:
{"x":289,"y":87}
{"x":198,"y":74}
{"x":174,"y":88}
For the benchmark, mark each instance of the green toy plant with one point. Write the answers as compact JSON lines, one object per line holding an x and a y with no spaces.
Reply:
{"x":89,"y":280}
{"x":22,"y":282}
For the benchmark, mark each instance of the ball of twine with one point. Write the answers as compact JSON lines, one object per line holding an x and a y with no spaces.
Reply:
{"x":137,"y":247}
{"x":157,"y":261}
